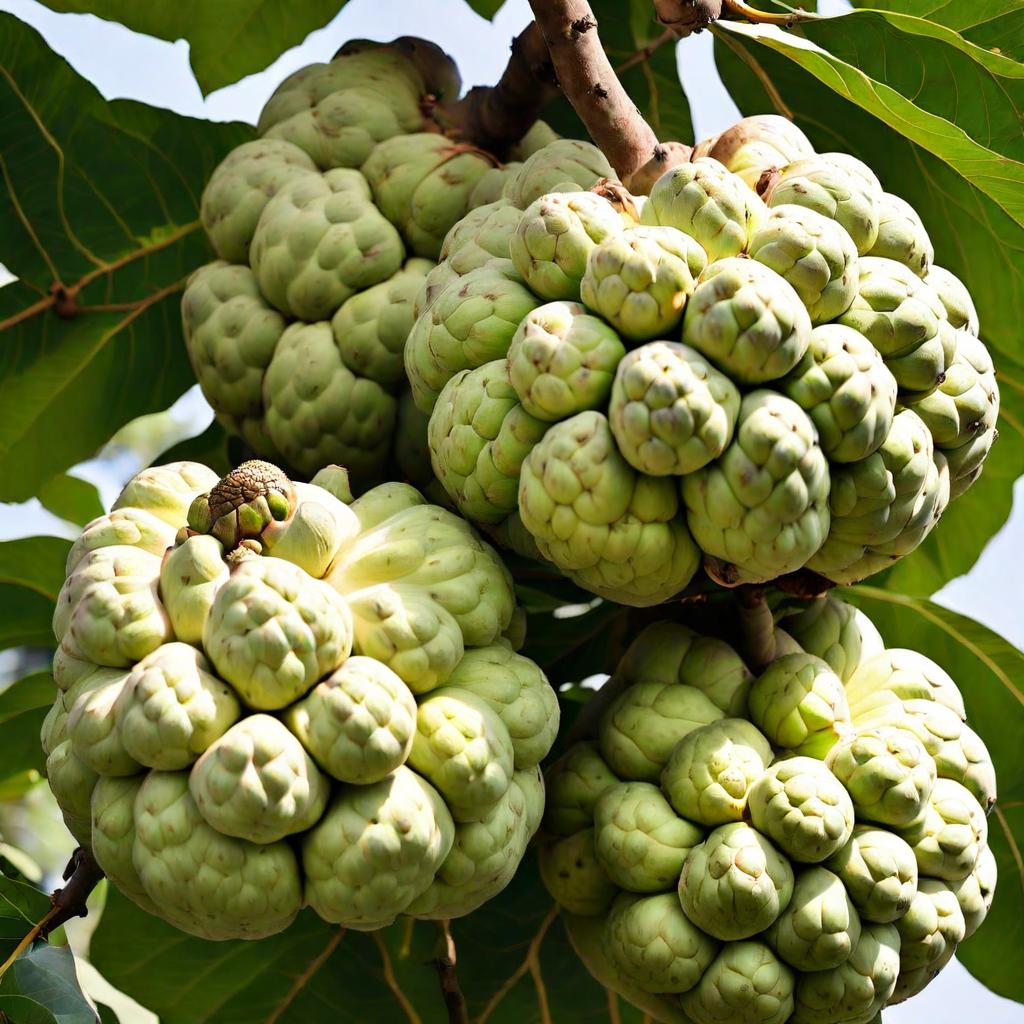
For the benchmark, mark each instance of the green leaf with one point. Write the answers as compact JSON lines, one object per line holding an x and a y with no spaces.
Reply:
{"x":514,"y":965}
{"x":990,"y":672}
{"x":100,"y":199}
{"x":34,"y":691}
{"x":31,"y":575}
{"x":651,"y":78}
{"x":23,"y":707}
{"x":486,"y":8}
{"x":72,"y":499}
{"x":997,"y":25}
{"x":227,"y":40}
{"x":22,"y":1010}
{"x":46,"y":974}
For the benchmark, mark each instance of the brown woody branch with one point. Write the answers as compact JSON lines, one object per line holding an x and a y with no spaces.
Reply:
{"x":591,"y":85}
{"x":494,"y":117}
{"x":83,"y":874}
{"x":454,"y":1000}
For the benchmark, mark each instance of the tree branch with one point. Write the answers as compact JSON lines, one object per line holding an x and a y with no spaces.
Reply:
{"x":454,"y":1000}
{"x":494,"y":117}
{"x":591,"y":86}
{"x":83,"y":875}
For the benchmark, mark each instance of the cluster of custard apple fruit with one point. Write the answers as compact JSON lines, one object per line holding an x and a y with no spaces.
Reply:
{"x":272,"y":696}
{"x":804,"y":846}
{"x":325,"y":227}
{"x":758,"y":368}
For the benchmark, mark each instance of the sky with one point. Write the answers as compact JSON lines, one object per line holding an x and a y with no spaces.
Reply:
{"x":122,"y":64}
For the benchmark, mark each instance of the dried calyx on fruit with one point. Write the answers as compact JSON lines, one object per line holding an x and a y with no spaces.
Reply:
{"x":272,"y":696}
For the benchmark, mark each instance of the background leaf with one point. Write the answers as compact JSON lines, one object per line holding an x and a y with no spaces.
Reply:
{"x":102,"y":197}
{"x":72,"y":499}
{"x":227,"y":40}
{"x":515,"y":965}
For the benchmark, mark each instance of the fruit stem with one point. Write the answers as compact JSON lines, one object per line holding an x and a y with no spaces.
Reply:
{"x":757,"y":627}
{"x":454,"y":1000}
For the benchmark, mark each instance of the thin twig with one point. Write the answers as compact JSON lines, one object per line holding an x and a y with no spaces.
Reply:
{"x":83,"y":875}
{"x":646,"y":52}
{"x":756,"y":17}
{"x":454,"y":1000}
{"x":590,"y":84}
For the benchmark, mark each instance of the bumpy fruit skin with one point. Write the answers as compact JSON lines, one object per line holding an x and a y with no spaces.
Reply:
{"x":479,"y":435}
{"x":639,"y":841}
{"x":801,"y":806}
{"x":848,"y":391}
{"x":837,"y":190}
{"x":838,"y":633}
{"x":904,"y":318}
{"x":820,"y":928}
{"x":756,"y":144}
{"x":746,"y":984}
{"x":471,"y":322}
{"x":562,"y":360}
{"x":560,"y":166}
{"x":639,"y":280}
{"x":776,"y":336}
{"x":572,"y":874}
{"x":651,"y":941}
{"x":814,"y":254}
{"x":902,"y":235}
{"x":879,"y":871}
{"x":703,"y":200}
{"x":613,"y":530}
{"x":671,"y":411}
{"x":554,"y":238}
{"x":887,"y":772}
{"x":748,"y":320}
{"x":711,"y":769}
{"x":375,"y":850}
{"x":334,"y":690}
{"x":735,"y":883}
{"x":239,"y":189}
{"x":320,"y":240}
{"x":885,"y":505}
{"x":762,"y":509}
{"x":751,"y":848}
{"x":318,"y":410}
{"x":422,"y":184}
{"x":799,"y":703}
{"x":856,"y":989}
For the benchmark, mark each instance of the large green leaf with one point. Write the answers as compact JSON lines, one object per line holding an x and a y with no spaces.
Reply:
{"x":228,"y":39}
{"x":45,"y":975}
{"x":31,"y":575}
{"x":99,"y":199}
{"x":514,"y":965}
{"x":72,"y":499}
{"x":23,"y":706}
{"x":990,"y":672}
{"x":938,"y":119}
{"x":996,"y":24}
